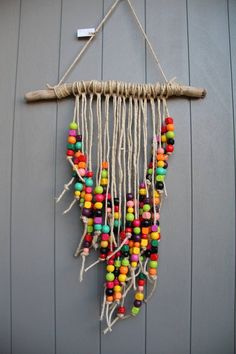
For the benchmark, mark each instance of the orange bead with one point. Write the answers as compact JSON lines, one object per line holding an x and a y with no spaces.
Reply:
{"x":123,"y":270}
{"x":145,"y":230}
{"x":131,"y":243}
{"x":166,"y":157}
{"x":160,"y":157}
{"x":77,"y":153}
{"x":105,"y":164}
{"x":71,"y":140}
{"x":117,"y":296}
{"x":136,"y":244}
{"x":109,"y":298}
{"x":157,"y":201}
{"x":82,"y":164}
{"x":88,"y":197}
{"x":170,"y":127}
{"x":152,"y":271}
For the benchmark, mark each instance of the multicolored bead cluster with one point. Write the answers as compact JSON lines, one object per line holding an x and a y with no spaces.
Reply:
{"x":134,"y":260}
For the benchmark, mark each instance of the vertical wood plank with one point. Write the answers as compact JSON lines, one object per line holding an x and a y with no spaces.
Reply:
{"x":168,"y":312}
{"x":33,"y":183}
{"x":232,"y":37}
{"x":124,"y":60}
{"x":9,"y":25}
{"x":213,"y":188}
{"x":77,"y":304}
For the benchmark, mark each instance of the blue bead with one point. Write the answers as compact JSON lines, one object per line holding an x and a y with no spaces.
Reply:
{"x":106,"y":229}
{"x":161,"y":171}
{"x":78,"y":145}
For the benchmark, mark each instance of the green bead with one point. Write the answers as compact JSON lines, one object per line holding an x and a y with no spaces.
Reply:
{"x":161,"y":171}
{"x":125,"y":262}
{"x":90,"y":228}
{"x":150,"y":171}
{"x":71,"y":146}
{"x":170,"y":135}
{"x":141,"y":258}
{"x":106,"y":229}
{"x":137,"y":230}
{"x":152,"y":264}
{"x":73,"y":126}
{"x":146,"y":207}
{"x":79,"y":186}
{"x":160,"y":178}
{"x":125,"y":248}
{"x":104,"y":173}
{"x":154,"y":243}
{"x":130,"y":217}
{"x":78,"y":145}
{"x":74,"y":174}
{"x":98,"y":227}
{"x":110,"y":276}
{"x":89,"y":182}
{"x":135,"y":310}
{"x":142,"y":276}
{"x":81,"y":200}
{"x":98,"y":190}
{"x":117,"y":263}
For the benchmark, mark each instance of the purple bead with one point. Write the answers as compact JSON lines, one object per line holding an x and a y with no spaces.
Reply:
{"x":146,"y":201}
{"x":154,"y":228}
{"x":142,"y":185}
{"x":86,"y":212}
{"x":98,"y":220}
{"x":79,"y":137}
{"x":137,"y":238}
{"x":137,"y":303}
{"x":134,"y":257}
{"x":129,"y":196}
{"x":86,"y":244}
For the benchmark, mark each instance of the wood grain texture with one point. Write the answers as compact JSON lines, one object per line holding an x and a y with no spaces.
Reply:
{"x":9,"y":24}
{"x":33,"y":328}
{"x":213,"y":222}
{"x":168,"y":320}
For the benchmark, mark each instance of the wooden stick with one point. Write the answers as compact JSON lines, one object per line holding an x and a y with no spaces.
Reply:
{"x":115,"y":87}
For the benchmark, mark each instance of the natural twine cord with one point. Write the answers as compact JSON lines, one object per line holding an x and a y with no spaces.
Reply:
{"x":110,"y":11}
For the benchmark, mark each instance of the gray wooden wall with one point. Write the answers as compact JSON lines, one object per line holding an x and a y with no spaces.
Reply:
{"x":43,"y":307}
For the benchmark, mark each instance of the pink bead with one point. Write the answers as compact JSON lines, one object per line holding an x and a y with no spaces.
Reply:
{"x":142,"y":185}
{"x":98,"y":220}
{"x":88,"y":190}
{"x":157,"y":216}
{"x":136,"y":223}
{"x":99,"y":197}
{"x":109,"y":210}
{"x":82,"y":172}
{"x":134,"y":257}
{"x":110,"y":284}
{"x":154,"y":228}
{"x":105,"y":237}
{"x":160,"y":150}
{"x":116,"y":282}
{"x":85,"y":251}
{"x":140,"y":288}
{"x":72,"y":132}
{"x":130,"y":204}
{"x":146,"y":215}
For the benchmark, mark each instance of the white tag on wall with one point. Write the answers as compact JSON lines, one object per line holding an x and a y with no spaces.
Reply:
{"x":85,"y":32}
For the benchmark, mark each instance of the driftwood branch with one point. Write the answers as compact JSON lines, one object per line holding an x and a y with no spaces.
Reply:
{"x":115,"y":87}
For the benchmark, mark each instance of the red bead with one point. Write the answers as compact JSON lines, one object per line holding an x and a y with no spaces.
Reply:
{"x":141,"y":282}
{"x":82,"y":158}
{"x":118,"y":254}
{"x":108,"y":196}
{"x":150,"y":164}
{"x":88,"y":238}
{"x":116,"y":208}
{"x":110,"y":284}
{"x":121,"y":310}
{"x":70,"y":153}
{"x":144,"y":237}
{"x":76,"y":160}
{"x":102,"y":256}
{"x":163,"y":129}
{"x":122,"y":235}
{"x":136,"y":222}
{"x":128,"y":230}
{"x":169,"y":148}
{"x":153,"y":257}
{"x":99,"y":197}
{"x":89,"y":174}
{"x":109,"y":253}
{"x":116,"y":282}
{"x":110,"y":261}
{"x":169,"y":120}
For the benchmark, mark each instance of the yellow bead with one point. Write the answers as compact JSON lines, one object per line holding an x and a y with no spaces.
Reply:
{"x":104,"y":181}
{"x":117,"y":288}
{"x":98,"y":205}
{"x":136,"y":250}
{"x":157,"y":194}
{"x":130,"y":210}
{"x":110,"y":267}
{"x":142,"y":191}
{"x":163,"y":138}
{"x":122,"y":278}
{"x":104,"y":244}
{"x":116,"y":215}
{"x":144,"y":243}
{"x":154,"y":235}
{"x":134,"y":264}
{"x":139,"y":296}
{"x":160,"y":164}
{"x":90,"y":222}
{"x":87,"y":205}
{"x":77,"y":193}
{"x":82,"y":194}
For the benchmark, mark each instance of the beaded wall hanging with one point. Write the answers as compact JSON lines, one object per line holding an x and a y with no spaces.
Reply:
{"x":119,"y":184}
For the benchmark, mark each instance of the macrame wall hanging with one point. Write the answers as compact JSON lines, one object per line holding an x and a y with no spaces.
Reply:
{"x":120,"y":201}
